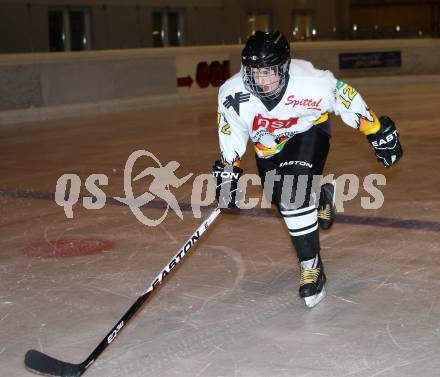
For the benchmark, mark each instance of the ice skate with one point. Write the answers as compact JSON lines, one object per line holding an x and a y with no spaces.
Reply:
{"x":312,"y":282}
{"x":326,"y":209}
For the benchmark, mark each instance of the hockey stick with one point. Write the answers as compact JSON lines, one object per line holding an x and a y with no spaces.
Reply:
{"x":41,"y":363}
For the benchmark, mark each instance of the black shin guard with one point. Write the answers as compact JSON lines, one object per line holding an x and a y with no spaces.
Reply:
{"x":307,"y":245}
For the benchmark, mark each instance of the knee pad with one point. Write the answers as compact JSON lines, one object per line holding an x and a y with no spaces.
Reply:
{"x":297,"y":191}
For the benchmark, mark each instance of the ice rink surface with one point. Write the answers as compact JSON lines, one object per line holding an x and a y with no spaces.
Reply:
{"x":231,"y":308}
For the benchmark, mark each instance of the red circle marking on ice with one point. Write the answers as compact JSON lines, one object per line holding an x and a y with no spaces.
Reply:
{"x":67,"y":248}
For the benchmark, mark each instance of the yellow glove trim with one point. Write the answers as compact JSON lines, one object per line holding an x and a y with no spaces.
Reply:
{"x":236,"y":162}
{"x":367,"y":127}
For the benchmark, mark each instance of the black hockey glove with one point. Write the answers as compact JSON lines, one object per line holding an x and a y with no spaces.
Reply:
{"x":386,"y":142}
{"x":226,"y":181}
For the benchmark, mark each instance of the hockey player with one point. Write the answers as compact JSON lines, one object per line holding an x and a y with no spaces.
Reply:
{"x":282,"y":104}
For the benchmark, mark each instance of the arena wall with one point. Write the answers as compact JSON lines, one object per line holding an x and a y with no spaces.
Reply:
{"x":39,"y":86}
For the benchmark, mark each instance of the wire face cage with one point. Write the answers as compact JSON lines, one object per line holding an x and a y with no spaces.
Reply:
{"x":265,"y":83}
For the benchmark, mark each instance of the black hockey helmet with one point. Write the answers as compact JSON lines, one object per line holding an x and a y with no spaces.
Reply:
{"x":269,"y":50}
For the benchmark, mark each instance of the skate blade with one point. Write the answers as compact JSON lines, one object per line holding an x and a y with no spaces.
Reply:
{"x":314,"y":300}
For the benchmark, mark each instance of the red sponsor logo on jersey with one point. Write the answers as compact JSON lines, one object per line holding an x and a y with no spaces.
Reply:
{"x":310,"y":103}
{"x":272,"y":124}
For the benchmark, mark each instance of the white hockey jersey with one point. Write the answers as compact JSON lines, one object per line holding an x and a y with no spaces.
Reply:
{"x":310,"y":95}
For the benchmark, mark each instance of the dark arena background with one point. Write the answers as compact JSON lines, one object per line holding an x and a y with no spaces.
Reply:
{"x":86,"y":84}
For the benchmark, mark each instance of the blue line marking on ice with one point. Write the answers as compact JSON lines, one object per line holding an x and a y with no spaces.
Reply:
{"x":385,"y":222}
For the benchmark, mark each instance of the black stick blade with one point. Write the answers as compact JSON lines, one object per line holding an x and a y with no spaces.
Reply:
{"x":40,"y":363}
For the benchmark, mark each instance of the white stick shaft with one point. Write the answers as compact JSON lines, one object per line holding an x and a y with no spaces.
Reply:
{"x":183,"y":250}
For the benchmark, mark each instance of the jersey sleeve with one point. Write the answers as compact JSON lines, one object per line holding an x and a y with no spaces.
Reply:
{"x":233,"y":135}
{"x":351,"y":107}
